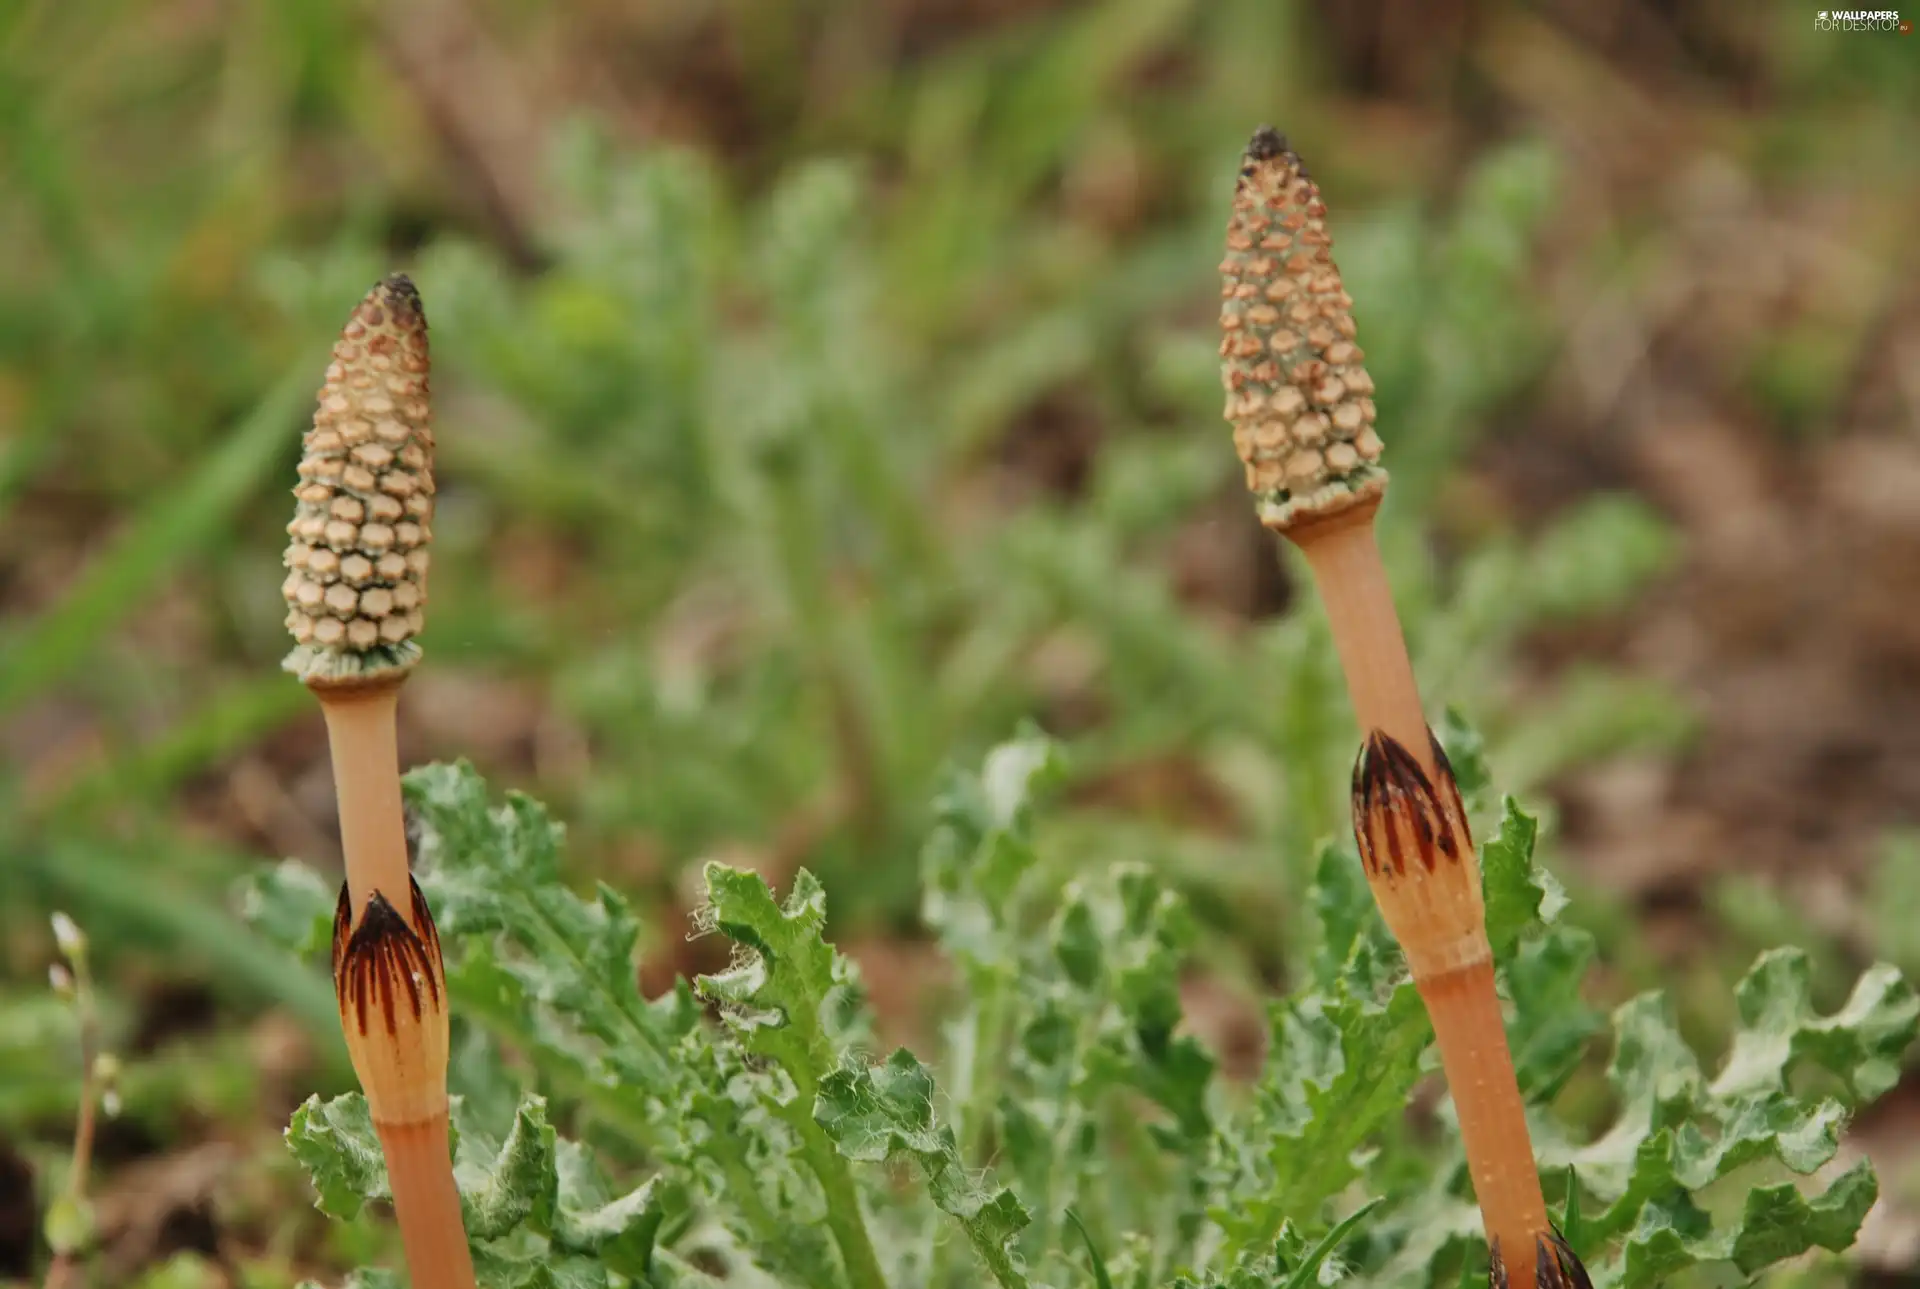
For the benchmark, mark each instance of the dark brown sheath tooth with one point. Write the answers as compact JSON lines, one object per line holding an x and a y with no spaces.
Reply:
{"x":1557,"y":1267}
{"x":1399,"y":812}
{"x":342,"y":931}
{"x":382,"y":960}
{"x":1496,"y":1266}
{"x":1448,"y":780}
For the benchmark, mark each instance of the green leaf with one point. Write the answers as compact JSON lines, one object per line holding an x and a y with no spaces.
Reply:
{"x":1340,"y":1068}
{"x":1143,"y":937}
{"x":335,"y":1142}
{"x":1518,"y":893}
{"x":503,"y":1184}
{"x":1552,"y":1021}
{"x":530,"y":949}
{"x":784,"y":999}
{"x":1775,"y":1223}
{"x":1678,"y":1134}
{"x":776,"y":995}
{"x":1356,"y":951}
{"x":291,"y":905}
{"x":874,"y":1114}
{"x":1862,"y":1043}
{"x":537,"y":1212}
{"x":497,"y":1269}
{"x":981,"y":847}
{"x":591,"y":1220}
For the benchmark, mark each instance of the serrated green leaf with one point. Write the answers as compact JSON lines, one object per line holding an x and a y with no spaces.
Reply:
{"x":774,"y":997}
{"x":504,"y":1184}
{"x":1678,"y":1134}
{"x":1147,"y":932}
{"x":1775,"y":1223}
{"x":619,"y":1230}
{"x":873,"y":1114}
{"x":1356,"y":951}
{"x":494,"y":1269}
{"x":1340,"y":1068}
{"x":1552,"y":1021}
{"x":1778,"y":1223}
{"x":513,"y":1190}
{"x":492,"y":875}
{"x":1862,"y":1043}
{"x":1518,"y":894}
{"x":336,"y":1143}
{"x":779,"y":1000}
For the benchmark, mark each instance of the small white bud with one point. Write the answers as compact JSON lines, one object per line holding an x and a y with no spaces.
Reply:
{"x":67,"y":934}
{"x":110,"y":1103}
{"x":61,"y":979}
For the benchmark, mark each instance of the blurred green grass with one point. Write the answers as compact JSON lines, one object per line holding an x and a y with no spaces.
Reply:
{"x":821,"y":390}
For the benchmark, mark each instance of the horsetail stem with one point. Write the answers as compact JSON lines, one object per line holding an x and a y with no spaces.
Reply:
{"x":355,"y":591}
{"x":1300,"y":402}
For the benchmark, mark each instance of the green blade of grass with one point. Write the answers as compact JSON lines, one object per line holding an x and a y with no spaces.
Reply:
{"x":1101,"y":1279}
{"x":180,"y":519}
{"x":1305,"y":1276}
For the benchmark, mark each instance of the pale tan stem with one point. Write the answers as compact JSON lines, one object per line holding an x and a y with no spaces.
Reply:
{"x":1352,"y":578}
{"x":361,"y":725}
{"x":426,"y":1203}
{"x":1493,"y":1125}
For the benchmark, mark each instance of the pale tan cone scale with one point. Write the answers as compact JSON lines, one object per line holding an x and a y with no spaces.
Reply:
{"x":1300,"y":403}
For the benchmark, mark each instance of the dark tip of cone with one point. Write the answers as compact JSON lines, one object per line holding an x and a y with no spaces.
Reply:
{"x":401,"y":294}
{"x":1266,"y":144}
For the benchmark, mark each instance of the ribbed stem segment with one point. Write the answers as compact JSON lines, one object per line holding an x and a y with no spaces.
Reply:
{"x":1345,"y":559}
{"x":426,"y":1203}
{"x":1493,"y":1122}
{"x":362,"y":738}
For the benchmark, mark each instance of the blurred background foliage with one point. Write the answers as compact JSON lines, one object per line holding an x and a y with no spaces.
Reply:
{"x":825,"y":387}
